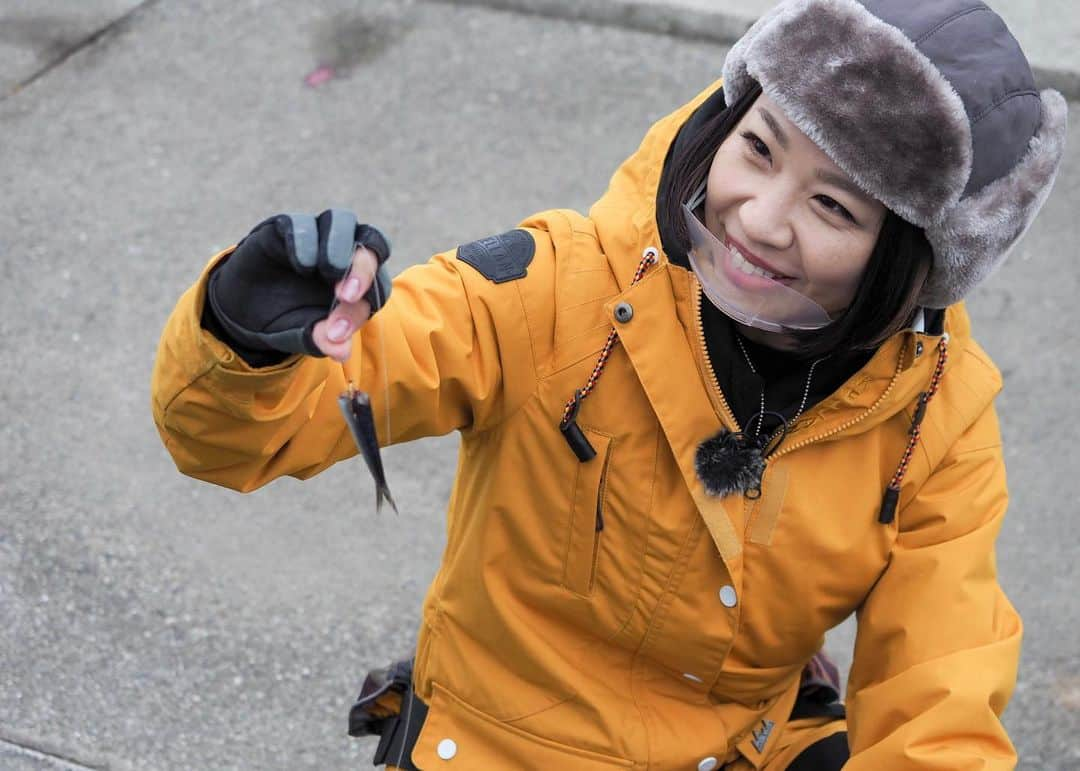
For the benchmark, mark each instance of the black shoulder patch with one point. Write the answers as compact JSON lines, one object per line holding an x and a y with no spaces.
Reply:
{"x":500,"y":258}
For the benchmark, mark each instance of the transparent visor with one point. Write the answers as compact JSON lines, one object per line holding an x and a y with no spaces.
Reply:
{"x":739,"y":289}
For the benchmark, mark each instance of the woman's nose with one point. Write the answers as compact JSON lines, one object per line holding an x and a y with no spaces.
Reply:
{"x":766,"y":219}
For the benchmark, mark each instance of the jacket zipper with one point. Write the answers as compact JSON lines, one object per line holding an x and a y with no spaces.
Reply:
{"x":716,"y":391}
{"x":600,"y":490}
{"x":716,"y":394}
{"x":854,"y":421}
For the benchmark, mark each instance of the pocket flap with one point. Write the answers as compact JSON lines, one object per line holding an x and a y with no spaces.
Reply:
{"x":456,"y":735}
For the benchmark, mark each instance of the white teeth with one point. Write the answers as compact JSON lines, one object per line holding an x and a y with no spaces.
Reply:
{"x":747,"y":267}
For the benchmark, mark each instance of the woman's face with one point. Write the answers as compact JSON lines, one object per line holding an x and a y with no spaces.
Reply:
{"x":779,"y":200}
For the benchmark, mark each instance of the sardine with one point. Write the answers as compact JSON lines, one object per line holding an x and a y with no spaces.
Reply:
{"x":356,"y":407}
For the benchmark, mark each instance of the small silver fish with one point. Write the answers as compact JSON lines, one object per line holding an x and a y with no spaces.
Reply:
{"x":356,"y":407}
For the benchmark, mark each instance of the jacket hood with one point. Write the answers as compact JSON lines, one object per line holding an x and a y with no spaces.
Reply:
{"x":632,"y":193}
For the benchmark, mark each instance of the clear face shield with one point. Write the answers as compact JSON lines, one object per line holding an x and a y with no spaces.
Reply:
{"x":740,"y":289}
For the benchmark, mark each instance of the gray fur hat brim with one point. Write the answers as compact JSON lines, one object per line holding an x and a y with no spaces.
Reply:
{"x":848,"y":80}
{"x":976,"y":236}
{"x":873,"y":100}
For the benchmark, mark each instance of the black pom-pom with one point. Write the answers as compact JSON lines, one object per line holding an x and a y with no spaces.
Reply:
{"x":730,"y":463}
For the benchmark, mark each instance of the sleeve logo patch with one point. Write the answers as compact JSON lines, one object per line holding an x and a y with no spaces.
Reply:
{"x":500,"y":258}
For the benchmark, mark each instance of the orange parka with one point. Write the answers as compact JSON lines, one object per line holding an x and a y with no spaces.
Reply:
{"x":677,"y":632}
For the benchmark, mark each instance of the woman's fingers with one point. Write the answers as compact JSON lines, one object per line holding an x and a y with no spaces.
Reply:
{"x":337,"y":350}
{"x":358,"y":280}
{"x":333,"y":335}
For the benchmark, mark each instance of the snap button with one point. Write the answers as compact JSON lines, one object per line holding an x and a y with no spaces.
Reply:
{"x":624,"y":312}
{"x":447,"y":749}
{"x":918,"y":348}
{"x":708,"y":764}
{"x":695,"y":678}
{"x":728,"y":597}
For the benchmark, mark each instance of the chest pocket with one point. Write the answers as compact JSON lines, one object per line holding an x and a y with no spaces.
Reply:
{"x":587,"y":518}
{"x":604,"y":536}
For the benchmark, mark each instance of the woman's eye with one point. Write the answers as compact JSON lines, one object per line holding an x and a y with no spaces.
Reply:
{"x":836,"y":208}
{"x":757,"y":147}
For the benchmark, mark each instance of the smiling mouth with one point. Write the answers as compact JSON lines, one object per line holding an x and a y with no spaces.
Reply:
{"x":743,"y":265}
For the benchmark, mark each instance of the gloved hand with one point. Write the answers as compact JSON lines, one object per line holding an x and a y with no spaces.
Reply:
{"x":272,"y":296}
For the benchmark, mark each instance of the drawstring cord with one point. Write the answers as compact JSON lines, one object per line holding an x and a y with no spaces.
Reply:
{"x":573,"y":434}
{"x":892,"y":492}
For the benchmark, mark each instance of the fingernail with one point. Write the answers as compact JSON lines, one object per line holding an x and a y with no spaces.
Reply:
{"x":352,"y":290}
{"x":339,"y":330}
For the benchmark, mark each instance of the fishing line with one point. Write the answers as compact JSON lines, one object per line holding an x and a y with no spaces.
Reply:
{"x":382,"y":354}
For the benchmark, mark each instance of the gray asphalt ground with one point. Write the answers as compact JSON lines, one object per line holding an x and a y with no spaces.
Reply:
{"x":149,"y":621}
{"x":1049,"y":30}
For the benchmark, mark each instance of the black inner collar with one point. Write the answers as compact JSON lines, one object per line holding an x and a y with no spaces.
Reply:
{"x":782,"y":374}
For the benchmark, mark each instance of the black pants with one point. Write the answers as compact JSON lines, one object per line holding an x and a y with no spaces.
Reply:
{"x":829,"y":754}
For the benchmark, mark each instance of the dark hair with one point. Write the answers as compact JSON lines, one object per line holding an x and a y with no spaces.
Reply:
{"x":888,"y":292}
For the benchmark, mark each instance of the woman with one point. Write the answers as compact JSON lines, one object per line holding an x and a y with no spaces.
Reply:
{"x":693,"y":437}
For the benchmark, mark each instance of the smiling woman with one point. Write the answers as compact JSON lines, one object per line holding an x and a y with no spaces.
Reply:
{"x":701,"y":426}
{"x":790,"y":210}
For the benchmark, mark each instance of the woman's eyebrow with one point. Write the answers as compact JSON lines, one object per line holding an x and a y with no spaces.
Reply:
{"x":774,"y":126}
{"x":826,"y":176}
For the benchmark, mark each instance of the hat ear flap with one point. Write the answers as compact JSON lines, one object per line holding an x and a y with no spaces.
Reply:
{"x":974,"y":237}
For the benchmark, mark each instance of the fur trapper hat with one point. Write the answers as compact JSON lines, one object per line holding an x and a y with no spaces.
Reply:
{"x":929,"y":105}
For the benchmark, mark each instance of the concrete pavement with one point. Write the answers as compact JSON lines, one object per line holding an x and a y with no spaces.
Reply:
{"x":1049,"y":30}
{"x":148,"y":621}
{"x":36,"y":35}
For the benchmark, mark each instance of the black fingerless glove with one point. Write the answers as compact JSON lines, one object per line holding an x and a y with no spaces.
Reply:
{"x":266,"y":297}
